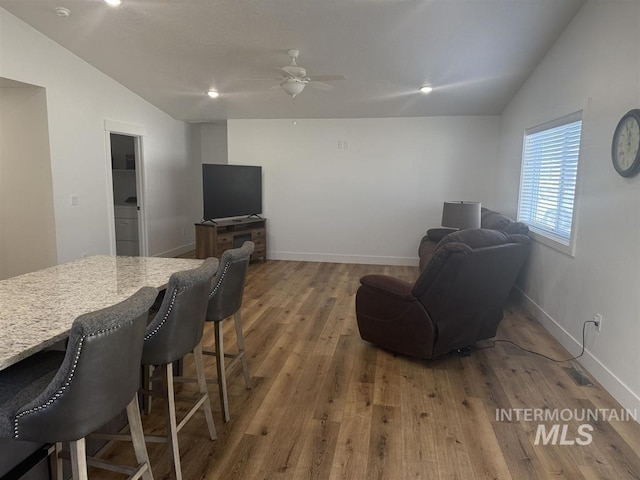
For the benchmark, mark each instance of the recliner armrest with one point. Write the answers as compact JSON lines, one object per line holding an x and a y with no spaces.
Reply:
{"x":390,"y":316}
{"x":437,"y":234}
{"x":389,"y":285}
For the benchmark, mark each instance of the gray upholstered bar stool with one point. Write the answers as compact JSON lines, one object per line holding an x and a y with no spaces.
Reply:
{"x":55,"y":397}
{"x":175,"y":331}
{"x":225,"y":300}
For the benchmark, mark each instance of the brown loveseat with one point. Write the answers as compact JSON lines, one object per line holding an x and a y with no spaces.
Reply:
{"x":457,"y":300}
{"x":488,"y":219}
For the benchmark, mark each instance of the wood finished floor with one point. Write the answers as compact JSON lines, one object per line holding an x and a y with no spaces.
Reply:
{"x":326,"y":405}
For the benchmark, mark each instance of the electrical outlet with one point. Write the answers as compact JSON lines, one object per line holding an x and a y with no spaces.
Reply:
{"x":597,"y":318}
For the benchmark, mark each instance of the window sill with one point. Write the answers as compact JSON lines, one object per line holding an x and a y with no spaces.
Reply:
{"x":550,"y":242}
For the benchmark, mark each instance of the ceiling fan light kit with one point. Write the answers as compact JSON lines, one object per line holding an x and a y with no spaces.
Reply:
{"x":113,"y":3}
{"x":294,"y":77}
{"x":213,"y":94}
{"x":292,"y":86}
{"x":426,"y":89}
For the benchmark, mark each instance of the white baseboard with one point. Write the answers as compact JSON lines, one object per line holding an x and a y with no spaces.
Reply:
{"x":174,"y":252}
{"x":621,"y":392}
{"x":343,"y":258}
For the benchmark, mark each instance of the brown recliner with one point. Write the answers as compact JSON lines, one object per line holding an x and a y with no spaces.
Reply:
{"x":457,"y":300}
{"x":488,"y":219}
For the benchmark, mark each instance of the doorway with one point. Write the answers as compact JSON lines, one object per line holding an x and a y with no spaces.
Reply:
{"x":128,"y":222}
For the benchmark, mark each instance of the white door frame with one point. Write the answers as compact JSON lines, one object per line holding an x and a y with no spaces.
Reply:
{"x":138,"y":132}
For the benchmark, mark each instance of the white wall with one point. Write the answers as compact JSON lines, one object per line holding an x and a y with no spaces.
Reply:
{"x":207,"y":144}
{"x":371,"y":202}
{"x":79,"y":99}
{"x":595,"y":65}
{"x":27,"y":226}
{"x":213,"y":146}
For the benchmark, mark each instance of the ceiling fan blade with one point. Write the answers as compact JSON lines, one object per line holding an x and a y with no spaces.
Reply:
{"x":285,"y":72}
{"x":320,"y":85}
{"x":275,"y":79}
{"x":327,"y":78}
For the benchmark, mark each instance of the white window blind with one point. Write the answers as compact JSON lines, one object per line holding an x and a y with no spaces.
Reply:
{"x":548,"y":179}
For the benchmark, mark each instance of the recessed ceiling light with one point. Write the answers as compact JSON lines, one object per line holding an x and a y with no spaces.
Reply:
{"x":62,"y":12}
{"x":426,"y":89}
{"x":113,"y":3}
{"x":213,"y":94}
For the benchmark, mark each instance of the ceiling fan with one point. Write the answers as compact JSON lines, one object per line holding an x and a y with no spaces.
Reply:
{"x":294,"y":77}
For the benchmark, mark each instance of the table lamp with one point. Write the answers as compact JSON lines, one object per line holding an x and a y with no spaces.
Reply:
{"x":461,"y":215}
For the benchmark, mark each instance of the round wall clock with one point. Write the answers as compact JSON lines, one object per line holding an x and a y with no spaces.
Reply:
{"x":625,"y":147}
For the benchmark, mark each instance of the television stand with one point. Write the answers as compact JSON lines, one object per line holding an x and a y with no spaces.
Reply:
{"x":214,"y":238}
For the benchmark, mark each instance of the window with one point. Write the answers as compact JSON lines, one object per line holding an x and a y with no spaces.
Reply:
{"x":548,"y":180}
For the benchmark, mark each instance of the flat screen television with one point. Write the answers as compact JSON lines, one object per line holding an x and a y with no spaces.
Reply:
{"x":231,"y":190}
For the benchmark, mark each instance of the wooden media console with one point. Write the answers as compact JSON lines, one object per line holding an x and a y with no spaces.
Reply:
{"x":214,"y":238}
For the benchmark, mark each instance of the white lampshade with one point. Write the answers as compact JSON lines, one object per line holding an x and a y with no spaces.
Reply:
{"x":461,"y":215}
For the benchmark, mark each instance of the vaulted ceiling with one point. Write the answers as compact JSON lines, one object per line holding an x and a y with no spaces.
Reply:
{"x":475,"y":53}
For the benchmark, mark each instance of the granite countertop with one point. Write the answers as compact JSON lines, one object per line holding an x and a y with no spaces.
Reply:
{"x":38,"y":308}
